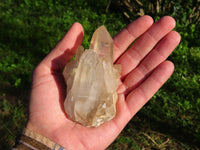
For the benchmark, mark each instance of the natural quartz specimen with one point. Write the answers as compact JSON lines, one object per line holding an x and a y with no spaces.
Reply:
{"x":92,"y":81}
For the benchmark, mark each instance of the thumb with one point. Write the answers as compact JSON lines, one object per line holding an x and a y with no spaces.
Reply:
{"x":65,"y":49}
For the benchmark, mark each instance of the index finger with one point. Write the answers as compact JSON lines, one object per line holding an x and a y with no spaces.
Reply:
{"x":126,"y":36}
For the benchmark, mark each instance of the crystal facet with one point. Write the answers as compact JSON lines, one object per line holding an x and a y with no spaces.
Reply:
{"x":92,"y":81}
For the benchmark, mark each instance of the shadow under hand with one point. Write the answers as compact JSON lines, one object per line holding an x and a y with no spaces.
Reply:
{"x":60,"y":62}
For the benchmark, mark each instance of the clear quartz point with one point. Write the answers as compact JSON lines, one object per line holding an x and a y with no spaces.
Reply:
{"x":92,"y":81}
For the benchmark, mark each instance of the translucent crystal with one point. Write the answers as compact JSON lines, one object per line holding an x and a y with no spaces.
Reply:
{"x":92,"y":81}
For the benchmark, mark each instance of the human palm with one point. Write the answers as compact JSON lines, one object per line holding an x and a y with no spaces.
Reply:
{"x":144,"y":71}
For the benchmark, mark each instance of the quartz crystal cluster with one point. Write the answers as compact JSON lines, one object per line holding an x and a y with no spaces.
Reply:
{"x":92,"y":81}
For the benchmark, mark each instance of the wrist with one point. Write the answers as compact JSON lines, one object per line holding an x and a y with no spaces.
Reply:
{"x":33,"y":140}
{"x":39,"y":129}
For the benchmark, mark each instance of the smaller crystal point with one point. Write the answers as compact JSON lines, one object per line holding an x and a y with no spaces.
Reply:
{"x":92,"y":81}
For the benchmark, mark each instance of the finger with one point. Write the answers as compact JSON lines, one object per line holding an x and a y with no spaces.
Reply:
{"x":65,"y":49}
{"x":125,"y":37}
{"x":145,"y":44}
{"x":155,"y":57}
{"x":140,"y":96}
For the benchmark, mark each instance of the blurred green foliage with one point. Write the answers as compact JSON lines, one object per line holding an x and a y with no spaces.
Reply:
{"x":12,"y":119}
{"x":30,"y":29}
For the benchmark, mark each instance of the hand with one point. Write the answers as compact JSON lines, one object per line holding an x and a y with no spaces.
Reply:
{"x":144,"y":71}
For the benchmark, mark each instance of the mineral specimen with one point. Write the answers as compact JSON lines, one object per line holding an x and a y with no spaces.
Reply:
{"x":92,"y":81}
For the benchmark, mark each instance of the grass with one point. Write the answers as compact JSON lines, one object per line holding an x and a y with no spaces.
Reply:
{"x":30,"y":29}
{"x":12,"y":119}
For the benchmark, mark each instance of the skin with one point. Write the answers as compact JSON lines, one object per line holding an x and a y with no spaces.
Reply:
{"x":144,"y":71}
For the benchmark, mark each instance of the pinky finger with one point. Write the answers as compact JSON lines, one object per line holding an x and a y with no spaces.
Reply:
{"x":142,"y":94}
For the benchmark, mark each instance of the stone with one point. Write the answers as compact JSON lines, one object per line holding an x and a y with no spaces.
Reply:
{"x":92,"y":81}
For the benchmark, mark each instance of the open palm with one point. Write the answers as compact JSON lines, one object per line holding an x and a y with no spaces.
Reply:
{"x":144,"y":71}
